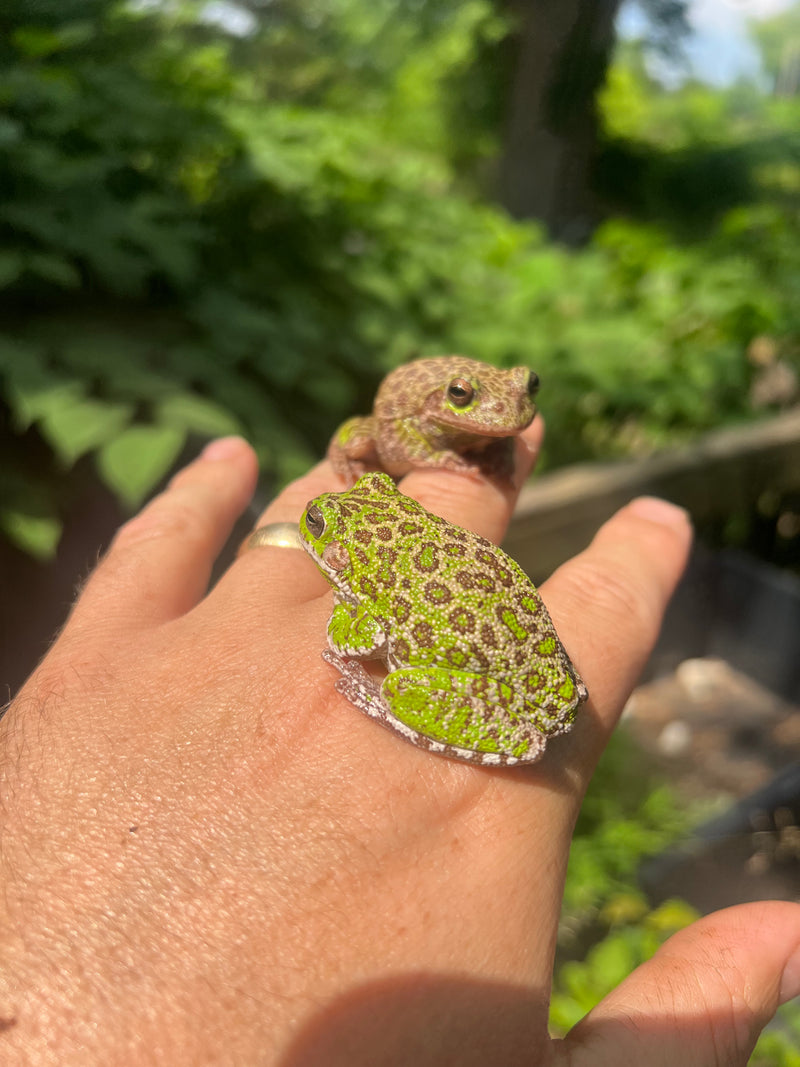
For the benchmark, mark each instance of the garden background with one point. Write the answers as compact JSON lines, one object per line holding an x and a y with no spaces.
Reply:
{"x":236,"y":217}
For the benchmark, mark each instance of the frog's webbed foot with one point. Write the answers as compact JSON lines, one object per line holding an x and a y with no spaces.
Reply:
{"x":357,"y":685}
{"x":580,"y":687}
{"x":495,"y":460}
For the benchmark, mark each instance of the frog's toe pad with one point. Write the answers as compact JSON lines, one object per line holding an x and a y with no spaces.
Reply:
{"x":357,"y":685}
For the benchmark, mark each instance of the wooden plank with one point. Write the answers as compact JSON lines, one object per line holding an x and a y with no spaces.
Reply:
{"x":726,"y":472}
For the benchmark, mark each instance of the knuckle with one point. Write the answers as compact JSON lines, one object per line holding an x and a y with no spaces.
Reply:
{"x":170,"y":515}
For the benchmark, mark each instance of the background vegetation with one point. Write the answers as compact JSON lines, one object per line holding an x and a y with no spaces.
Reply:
{"x":607,"y":926}
{"x":219,"y":218}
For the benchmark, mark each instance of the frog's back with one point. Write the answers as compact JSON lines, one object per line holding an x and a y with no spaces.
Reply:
{"x":448,"y":596}
{"x":468,"y":605}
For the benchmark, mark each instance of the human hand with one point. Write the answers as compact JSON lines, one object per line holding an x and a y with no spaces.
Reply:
{"x":208,"y":856}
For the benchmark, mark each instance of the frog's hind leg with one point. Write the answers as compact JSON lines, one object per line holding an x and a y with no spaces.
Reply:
{"x":432,"y":727}
{"x":458,"y":715}
{"x":358,"y":686}
{"x":352,"y":450}
{"x":536,"y":744}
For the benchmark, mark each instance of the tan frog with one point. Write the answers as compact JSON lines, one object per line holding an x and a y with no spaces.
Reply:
{"x":446,"y":412}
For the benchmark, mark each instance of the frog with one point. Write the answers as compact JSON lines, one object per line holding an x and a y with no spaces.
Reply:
{"x":474,"y":668}
{"x":444,"y":412}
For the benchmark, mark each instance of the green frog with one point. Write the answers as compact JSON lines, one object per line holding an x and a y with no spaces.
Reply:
{"x":476,"y":670}
{"x":447,"y":412}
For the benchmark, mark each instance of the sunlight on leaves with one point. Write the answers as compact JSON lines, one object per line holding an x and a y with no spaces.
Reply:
{"x":38,"y":535}
{"x":135,"y":461}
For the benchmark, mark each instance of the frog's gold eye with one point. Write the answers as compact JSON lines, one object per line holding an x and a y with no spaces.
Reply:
{"x":533,"y":384}
{"x":315,"y":523}
{"x":460,"y":392}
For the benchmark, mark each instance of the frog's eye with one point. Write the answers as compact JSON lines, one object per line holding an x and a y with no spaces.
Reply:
{"x":315,"y":523}
{"x":533,"y":384}
{"x":460,"y":392}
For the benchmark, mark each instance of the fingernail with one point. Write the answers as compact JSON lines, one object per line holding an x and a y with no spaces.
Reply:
{"x":790,"y":980}
{"x":654,"y":509}
{"x":222,"y":448}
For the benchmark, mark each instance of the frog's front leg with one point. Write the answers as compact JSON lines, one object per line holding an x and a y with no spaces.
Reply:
{"x":352,"y":449}
{"x":355,"y":634}
{"x":467,"y":716}
{"x":354,"y":631}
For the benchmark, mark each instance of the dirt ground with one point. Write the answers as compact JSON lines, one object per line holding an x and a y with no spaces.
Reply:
{"x":722,"y":739}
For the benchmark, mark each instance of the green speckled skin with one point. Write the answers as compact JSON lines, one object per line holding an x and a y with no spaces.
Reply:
{"x":416,"y":423}
{"x":476,"y":670}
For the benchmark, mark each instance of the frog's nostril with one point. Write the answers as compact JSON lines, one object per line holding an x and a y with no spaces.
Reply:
{"x":533,"y":383}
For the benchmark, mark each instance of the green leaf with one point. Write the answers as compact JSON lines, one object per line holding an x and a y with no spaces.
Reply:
{"x":117,"y":359}
{"x":11,"y":267}
{"x":38,"y":535}
{"x":672,"y":915}
{"x":75,"y":425}
{"x":35,"y":41}
{"x":35,"y":394}
{"x":133,"y":463}
{"x":187,"y":411}
{"x":611,"y":961}
{"x":54,"y":269}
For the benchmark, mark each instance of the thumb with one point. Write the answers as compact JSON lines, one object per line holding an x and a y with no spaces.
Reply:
{"x":704,"y":997}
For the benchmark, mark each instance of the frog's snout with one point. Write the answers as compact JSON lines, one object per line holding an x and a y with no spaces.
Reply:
{"x":533,"y":384}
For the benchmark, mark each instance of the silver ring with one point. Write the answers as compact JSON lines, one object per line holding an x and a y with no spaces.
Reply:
{"x":276,"y":534}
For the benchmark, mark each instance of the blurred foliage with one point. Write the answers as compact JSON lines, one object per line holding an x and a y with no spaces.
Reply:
{"x":779,"y":1045}
{"x":580,"y":985}
{"x":778,"y":40}
{"x":179,"y":258}
{"x":205,"y":231}
{"x":688,"y":156}
{"x":607,"y":927}
{"x":236,"y":218}
{"x":626,"y":815}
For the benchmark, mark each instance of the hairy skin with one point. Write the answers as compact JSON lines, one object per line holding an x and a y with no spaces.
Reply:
{"x":209,"y":857}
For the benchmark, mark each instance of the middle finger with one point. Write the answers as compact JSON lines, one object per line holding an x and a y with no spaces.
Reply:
{"x":473,"y":502}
